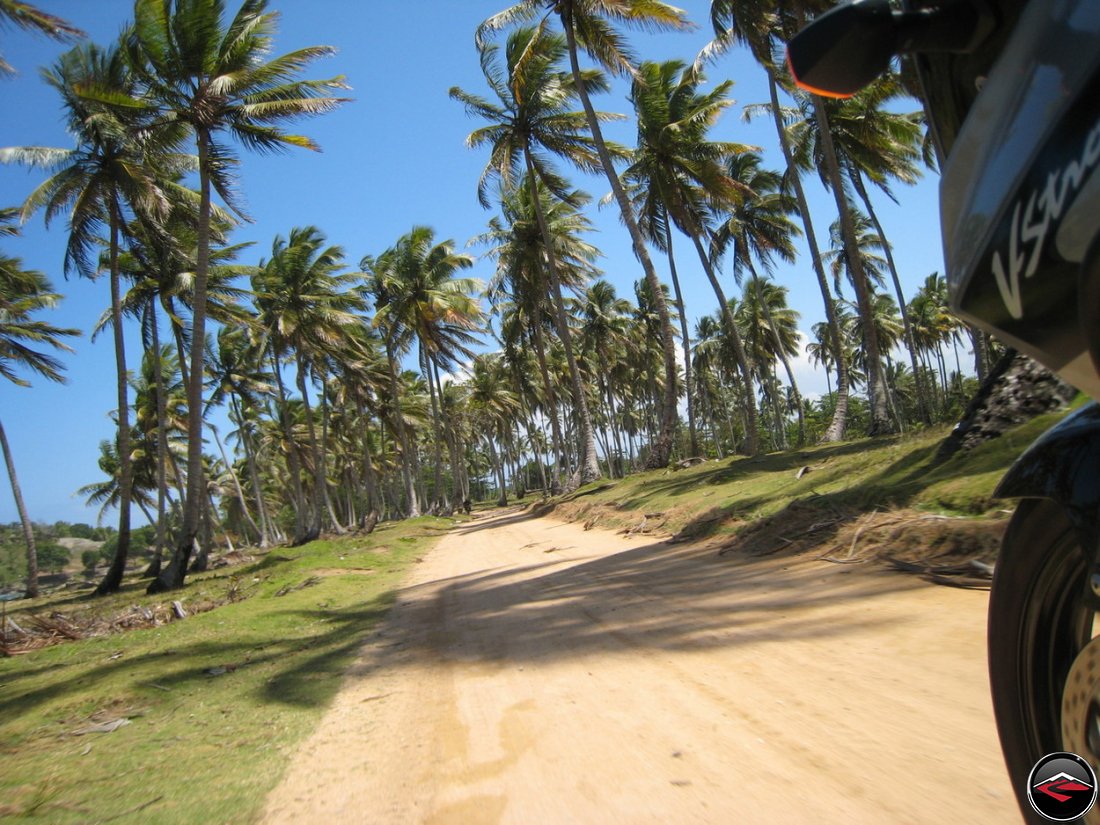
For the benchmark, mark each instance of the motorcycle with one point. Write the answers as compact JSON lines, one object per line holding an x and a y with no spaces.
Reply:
{"x":1012,"y":93}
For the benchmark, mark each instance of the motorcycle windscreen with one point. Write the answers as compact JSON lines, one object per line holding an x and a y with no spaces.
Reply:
{"x":1020,"y":192}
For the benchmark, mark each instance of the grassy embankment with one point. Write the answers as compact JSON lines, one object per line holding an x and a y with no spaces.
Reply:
{"x":214,"y":703}
{"x":817,"y":496}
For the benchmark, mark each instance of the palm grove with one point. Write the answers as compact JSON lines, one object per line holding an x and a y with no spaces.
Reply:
{"x":396,"y":384}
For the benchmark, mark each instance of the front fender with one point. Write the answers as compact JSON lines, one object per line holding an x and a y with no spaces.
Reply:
{"x":1064,"y":465}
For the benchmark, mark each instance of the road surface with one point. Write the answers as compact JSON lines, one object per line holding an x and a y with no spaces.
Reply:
{"x":534,"y":672}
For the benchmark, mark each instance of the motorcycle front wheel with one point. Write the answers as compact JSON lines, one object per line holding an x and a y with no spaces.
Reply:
{"x":1040,"y":629}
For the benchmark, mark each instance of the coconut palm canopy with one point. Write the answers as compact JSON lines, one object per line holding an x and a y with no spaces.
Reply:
{"x":291,"y":392}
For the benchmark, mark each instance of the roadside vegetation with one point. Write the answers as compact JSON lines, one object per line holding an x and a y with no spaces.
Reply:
{"x":189,"y":719}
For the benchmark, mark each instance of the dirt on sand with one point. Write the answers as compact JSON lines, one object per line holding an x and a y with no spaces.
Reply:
{"x":533,"y":671}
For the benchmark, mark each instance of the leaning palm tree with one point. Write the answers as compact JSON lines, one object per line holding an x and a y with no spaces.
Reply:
{"x":23,"y":293}
{"x":759,"y":230}
{"x":516,"y":242}
{"x":115,"y":169}
{"x":532,"y":118}
{"x":589,"y":25}
{"x":218,"y":80}
{"x":426,"y":301}
{"x":676,"y":171}
{"x":757,"y":25}
{"x":307,"y":308}
{"x":872,"y":143}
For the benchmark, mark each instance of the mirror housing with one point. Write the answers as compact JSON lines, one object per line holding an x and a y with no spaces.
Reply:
{"x":845,"y":49}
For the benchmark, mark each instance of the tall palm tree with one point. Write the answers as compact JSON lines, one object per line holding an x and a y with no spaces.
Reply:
{"x":495,"y":407}
{"x":771,"y":330}
{"x":307,"y":308}
{"x":218,"y":80}
{"x":115,"y":168}
{"x":427,"y":302}
{"x":23,"y":293}
{"x":590,"y":25}
{"x":237,"y":374}
{"x":872,"y":143}
{"x":676,"y":171}
{"x":418,"y":300}
{"x":533,"y":118}
{"x":757,"y":25}
{"x":517,"y":243}
{"x":604,"y":332}
{"x":758,"y":228}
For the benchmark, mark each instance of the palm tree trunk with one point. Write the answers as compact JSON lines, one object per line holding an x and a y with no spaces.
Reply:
{"x":498,"y":471}
{"x":250,"y":458}
{"x":438,"y":493}
{"x":589,"y":468}
{"x":611,"y":413}
{"x":173,"y":575}
{"x":876,"y":379}
{"x":336,"y":525}
{"x":751,"y":442}
{"x":24,"y":519}
{"x":861,"y":190}
{"x":162,"y":444}
{"x":780,"y":352}
{"x":412,"y":505}
{"x":293,"y":460}
{"x":661,"y":448}
{"x":236,"y":483}
{"x":685,"y":339}
{"x":837,"y":426}
{"x":561,"y":463}
{"x":113,"y":579}
{"x":319,"y":481}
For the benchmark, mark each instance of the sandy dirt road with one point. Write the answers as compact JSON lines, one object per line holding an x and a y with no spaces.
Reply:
{"x":534,"y":672}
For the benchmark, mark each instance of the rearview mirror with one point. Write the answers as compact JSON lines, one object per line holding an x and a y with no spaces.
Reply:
{"x":848,"y":47}
{"x":844,"y":49}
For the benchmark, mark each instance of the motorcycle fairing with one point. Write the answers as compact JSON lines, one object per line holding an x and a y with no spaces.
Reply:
{"x":1062,"y":465}
{"x":1022,"y":179}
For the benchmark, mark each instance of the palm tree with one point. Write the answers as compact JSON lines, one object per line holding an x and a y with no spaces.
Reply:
{"x":306,"y":308}
{"x":217,"y":79}
{"x":756,"y":25}
{"x":237,"y":374}
{"x":115,"y":167}
{"x":586,"y":25}
{"x":675,"y":170}
{"x":758,"y":229}
{"x":495,"y":406}
{"x":427,"y":302}
{"x":22,"y":294}
{"x":517,"y":243}
{"x":771,"y":330}
{"x":604,"y":332}
{"x":880,"y":145}
{"x":532,"y":118}
{"x":418,"y":299}
{"x":25,"y":16}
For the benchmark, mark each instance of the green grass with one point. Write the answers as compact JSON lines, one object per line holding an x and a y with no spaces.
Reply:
{"x":217,"y":702}
{"x":851,"y":477}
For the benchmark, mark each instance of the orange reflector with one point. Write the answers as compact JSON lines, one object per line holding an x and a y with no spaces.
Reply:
{"x":806,"y":87}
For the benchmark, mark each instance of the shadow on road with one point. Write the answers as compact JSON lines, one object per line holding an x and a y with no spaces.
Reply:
{"x":658,"y":596}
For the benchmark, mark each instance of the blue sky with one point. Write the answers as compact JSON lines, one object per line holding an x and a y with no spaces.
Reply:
{"x":393,"y":158}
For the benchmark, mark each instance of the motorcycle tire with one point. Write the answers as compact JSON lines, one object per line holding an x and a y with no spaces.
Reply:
{"x":1038,"y":623}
